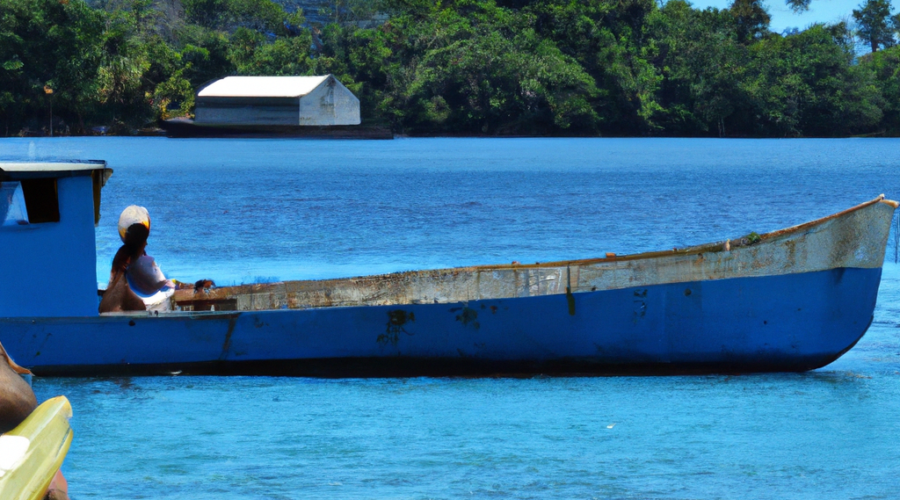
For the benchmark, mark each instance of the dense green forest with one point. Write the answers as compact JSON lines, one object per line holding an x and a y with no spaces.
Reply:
{"x":460,"y":67}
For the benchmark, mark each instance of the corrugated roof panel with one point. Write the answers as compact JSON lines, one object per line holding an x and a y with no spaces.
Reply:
{"x":262,"y":86}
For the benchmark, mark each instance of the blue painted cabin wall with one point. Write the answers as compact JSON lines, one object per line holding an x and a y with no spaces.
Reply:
{"x":49,"y":269}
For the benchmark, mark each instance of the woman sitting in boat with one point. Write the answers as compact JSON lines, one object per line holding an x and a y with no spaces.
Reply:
{"x":135,"y":281}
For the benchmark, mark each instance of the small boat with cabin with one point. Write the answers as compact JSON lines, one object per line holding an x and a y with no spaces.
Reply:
{"x":790,"y":300}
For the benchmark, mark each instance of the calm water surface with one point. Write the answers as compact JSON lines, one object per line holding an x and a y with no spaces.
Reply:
{"x":242,"y":211}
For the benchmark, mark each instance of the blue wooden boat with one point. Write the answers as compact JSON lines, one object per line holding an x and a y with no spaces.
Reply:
{"x":790,"y":300}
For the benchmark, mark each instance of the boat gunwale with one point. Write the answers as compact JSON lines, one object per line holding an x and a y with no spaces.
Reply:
{"x":694,"y":249}
{"x":718,"y":246}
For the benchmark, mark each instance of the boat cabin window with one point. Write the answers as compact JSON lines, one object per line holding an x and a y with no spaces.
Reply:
{"x":28,"y":201}
{"x":42,"y":200}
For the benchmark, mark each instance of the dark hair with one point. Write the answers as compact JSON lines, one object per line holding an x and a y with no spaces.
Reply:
{"x":132,"y":249}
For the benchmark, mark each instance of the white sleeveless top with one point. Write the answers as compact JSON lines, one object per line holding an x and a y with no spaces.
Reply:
{"x":144,"y":277}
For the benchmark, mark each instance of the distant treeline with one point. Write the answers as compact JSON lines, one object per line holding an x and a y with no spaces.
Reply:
{"x":459,"y":67}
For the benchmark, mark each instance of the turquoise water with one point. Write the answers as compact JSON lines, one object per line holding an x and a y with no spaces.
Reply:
{"x":241,"y":211}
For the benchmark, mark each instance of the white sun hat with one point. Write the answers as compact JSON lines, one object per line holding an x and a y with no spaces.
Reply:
{"x":133,"y":214}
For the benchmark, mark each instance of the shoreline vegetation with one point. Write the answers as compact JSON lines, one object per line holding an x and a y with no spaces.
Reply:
{"x":492,"y":68}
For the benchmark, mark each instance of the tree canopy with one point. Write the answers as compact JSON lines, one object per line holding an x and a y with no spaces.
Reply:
{"x":459,"y":67}
{"x":875,"y":25}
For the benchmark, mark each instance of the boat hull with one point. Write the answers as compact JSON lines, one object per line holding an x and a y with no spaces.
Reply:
{"x":791,"y":322}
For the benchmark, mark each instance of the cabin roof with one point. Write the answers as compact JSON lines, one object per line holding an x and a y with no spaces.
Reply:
{"x":262,"y":86}
{"x":52,"y":169}
{"x":52,"y":166}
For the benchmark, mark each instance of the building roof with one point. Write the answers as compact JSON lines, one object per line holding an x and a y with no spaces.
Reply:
{"x":262,"y":86}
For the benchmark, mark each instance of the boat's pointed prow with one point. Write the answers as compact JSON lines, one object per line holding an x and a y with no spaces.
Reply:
{"x":892,"y":203}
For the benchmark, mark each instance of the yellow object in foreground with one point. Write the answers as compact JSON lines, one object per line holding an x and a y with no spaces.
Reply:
{"x":31,"y":453}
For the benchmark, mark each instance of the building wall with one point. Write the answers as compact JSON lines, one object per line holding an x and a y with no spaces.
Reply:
{"x":329,"y":104}
{"x":245,"y":111}
{"x":346,"y":106}
{"x":50,"y":269}
{"x":317,"y":107}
